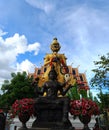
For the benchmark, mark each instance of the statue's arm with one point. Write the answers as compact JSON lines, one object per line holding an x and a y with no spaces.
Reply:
{"x":41,"y":90}
{"x":63,"y":59}
{"x":64,"y":91}
{"x":38,"y":90}
{"x":47,"y":60}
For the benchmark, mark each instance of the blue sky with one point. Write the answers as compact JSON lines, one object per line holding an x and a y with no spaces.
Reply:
{"x":27,"y":28}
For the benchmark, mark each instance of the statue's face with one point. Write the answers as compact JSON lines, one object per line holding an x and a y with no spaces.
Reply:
{"x":55,"y":47}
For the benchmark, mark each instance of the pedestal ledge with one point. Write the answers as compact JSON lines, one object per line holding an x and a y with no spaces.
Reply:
{"x":51,"y":129}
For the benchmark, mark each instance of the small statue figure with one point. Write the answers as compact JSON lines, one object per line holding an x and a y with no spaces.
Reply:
{"x":52,"y":87}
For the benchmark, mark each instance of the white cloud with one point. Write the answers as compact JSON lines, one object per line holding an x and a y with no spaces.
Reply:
{"x":2,"y":33}
{"x":81,"y":28}
{"x":85,"y":36}
{"x":34,"y":47}
{"x":46,"y":6}
{"x":10,"y":48}
{"x":26,"y":65}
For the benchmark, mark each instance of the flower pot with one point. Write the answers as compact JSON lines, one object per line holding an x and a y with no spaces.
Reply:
{"x":23,"y":117}
{"x":85,"y":119}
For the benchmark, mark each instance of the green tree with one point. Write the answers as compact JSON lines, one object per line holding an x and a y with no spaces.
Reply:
{"x":73,"y":93}
{"x":103,"y":100}
{"x":101,"y":73}
{"x":101,"y":81}
{"x":83,"y":93}
{"x":19,"y":87}
{"x":90,"y":96}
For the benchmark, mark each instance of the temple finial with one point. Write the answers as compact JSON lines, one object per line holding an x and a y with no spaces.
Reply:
{"x":55,"y":46}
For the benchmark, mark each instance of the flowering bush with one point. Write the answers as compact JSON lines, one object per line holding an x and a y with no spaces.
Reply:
{"x":83,"y":107}
{"x":21,"y":106}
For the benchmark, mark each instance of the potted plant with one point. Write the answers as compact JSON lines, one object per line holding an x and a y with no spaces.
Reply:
{"x":23,"y":108}
{"x":84,"y":109}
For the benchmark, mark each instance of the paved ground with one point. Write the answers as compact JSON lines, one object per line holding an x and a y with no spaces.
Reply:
{"x":76,"y":123}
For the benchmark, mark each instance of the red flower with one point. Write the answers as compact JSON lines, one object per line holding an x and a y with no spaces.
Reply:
{"x":83,"y":107}
{"x":21,"y":106}
{"x":84,"y":112}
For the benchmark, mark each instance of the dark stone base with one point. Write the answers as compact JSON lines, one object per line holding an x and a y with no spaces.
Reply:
{"x":39,"y":129}
{"x":54,"y":128}
{"x":48,"y":111}
{"x":50,"y":129}
{"x":48,"y":125}
{"x":22,"y":128}
{"x":49,"y":115}
{"x":53,"y":125}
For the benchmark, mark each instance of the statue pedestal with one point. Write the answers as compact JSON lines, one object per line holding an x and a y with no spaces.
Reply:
{"x":39,"y":128}
{"x":49,"y":115}
{"x":50,"y":129}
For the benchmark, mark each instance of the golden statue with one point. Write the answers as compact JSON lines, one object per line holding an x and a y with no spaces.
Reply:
{"x":56,"y":59}
{"x":59,"y":62}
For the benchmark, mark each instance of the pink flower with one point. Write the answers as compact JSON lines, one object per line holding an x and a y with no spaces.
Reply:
{"x":84,"y":112}
{"x":21,"y":106}
{"x":83,"y":107}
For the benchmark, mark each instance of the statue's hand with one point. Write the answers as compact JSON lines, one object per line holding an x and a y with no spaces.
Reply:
{"x":55,"y":59}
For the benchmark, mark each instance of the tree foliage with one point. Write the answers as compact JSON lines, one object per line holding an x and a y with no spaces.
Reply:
{"x":101,"y":73}
{"x":104,"y":100}
{"x":19,"y":87}
{"x":73,"y":93}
